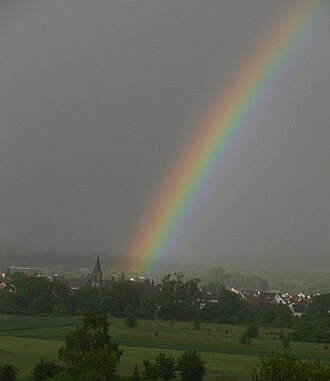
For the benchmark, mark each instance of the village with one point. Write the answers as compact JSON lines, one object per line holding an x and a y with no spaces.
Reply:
{"x":254,"y":299}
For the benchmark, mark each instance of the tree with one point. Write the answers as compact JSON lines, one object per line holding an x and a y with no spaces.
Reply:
{"x":230,"y":309}
{"x":196,"y":324}
{"x":320,"y":306}
{"x":96,"y":365}
{"x":165,"y":366}
{"x":244,"y":339}
{"x":191,"y":366}
{"x":34,"y":295}
{"x":45,"y":369}
{"x":147,"y":308}
{"x":136,"y":373}
{"x":286,"y":341}
{"x":87,"y":299}
{"x":178,"y":299}
{"x":94,"y":334}
{"x":121,"y":298}
{"x":89,"y":351}
{"x":150,"y":372}
{"x":162,"y":368}
{"x":7,"y":373}
{"x":311,"y":331}
{"x":130,"y":319}
{"x":252,"y":331}
{"x":275,"y":367}
{"x":277,"y":315}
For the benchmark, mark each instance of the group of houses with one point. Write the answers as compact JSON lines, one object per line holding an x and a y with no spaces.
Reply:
{"x":262,"y":300}
{"x":255,"y":299}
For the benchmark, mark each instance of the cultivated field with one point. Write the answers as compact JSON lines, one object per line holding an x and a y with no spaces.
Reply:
{"x":24,"y":340}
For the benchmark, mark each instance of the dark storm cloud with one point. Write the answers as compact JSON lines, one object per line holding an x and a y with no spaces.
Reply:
{"x":98,"y":97}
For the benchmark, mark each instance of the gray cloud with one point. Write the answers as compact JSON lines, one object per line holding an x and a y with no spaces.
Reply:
{"x":98,"y":97}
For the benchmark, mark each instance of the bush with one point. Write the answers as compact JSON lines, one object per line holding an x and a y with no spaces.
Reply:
{"x":130,"y":320}
{"x":45,"y":369}
{"x":150,"y":372}
{"x":275,"y":367}
{"x":286,"y":341}
{"x":196,"y":324}
{"x":8,"y":373}
{"x":165,"y":366}
{"x":285,"y":367}
{"x":244,"y":339}
{"x":252,"y":331}
{"x":136,"y":373}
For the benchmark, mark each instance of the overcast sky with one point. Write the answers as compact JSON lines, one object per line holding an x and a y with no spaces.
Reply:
{"x":98,"y":97}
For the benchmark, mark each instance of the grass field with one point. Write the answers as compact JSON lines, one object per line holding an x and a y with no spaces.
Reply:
{"x":24,"y":340}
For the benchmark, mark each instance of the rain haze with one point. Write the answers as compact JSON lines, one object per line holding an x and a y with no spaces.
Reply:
{"x":97,"y":101}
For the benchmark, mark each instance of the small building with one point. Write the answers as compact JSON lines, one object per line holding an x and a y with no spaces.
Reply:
{"x":23,"y":270}
{"x":297,"y":309}
{"x":280,"y":300}
{"x":75,"y":284}
{"x":207,"y":298}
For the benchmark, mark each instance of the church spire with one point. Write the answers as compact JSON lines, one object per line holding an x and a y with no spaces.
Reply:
{"x":97,"y":273}
{"x":97,"y":267}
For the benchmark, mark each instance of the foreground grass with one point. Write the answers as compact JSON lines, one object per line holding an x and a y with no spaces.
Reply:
{"x":24,"y":340}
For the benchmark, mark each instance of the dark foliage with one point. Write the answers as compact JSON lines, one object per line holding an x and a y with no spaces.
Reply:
{"x":89,"y":350}
{"x":8,"y":373}
{"x":252,"y":331}
{"x":286,"y":368}
{"x":230,"y":310}
{"x":276,"y":315}
{"x":130,"y":320}
{"x":35,"y":295}
{"x":311,"y":331}
{"x":45,"y":369}
{"x":163,"y":368}
{"x":191,"y":366}
{"x":178,"y":299}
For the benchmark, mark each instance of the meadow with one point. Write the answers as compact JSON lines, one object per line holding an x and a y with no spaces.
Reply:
{"x":26,"y":339}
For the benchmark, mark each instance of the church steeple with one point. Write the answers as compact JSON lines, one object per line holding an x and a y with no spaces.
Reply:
{"x":97,"y":273}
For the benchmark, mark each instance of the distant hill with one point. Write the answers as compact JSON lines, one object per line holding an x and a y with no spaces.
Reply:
{"x":12,"y":254}
{"x":294,"y":262}
{"x":48,"y":258}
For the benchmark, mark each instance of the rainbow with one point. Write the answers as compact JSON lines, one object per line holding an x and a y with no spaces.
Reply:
{"x":201,"y":154}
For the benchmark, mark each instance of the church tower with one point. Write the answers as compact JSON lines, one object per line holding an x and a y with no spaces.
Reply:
{"x":97,"y":274}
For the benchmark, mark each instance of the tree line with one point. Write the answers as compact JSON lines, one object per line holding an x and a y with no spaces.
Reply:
{"x":177,"y":299}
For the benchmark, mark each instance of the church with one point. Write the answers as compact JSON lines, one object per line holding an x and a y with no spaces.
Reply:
{"x":96,"y":276}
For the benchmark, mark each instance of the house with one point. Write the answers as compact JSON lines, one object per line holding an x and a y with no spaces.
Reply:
{"x":23,"y":270}
{"x":253,"y":302}
{"x":297,"y":309}
{"x":75,"y":284}
{"x":148,"y":289}
{"x":280,"y":300}
{"x":207,"y":298}
{"x":266,"y":299}
{"x":4,"y":280}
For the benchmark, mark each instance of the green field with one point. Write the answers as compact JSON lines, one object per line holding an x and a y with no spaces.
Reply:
{"x":24,"y":340}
